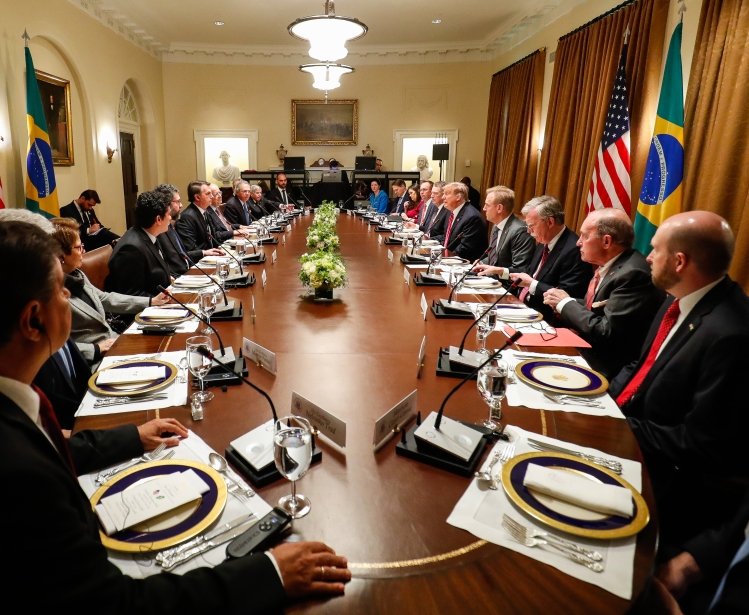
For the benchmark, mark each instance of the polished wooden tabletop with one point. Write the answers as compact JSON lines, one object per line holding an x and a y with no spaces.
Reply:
{"x":356,"y":357}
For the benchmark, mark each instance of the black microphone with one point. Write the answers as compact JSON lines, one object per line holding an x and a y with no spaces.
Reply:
{"x":208,"y":354}
{"x":191,"y":263}
{"x":515,"y":337}
{"x":215,"y":244}
{"x":199,"y":317}
{"x":491,"y":307}
{"x":306,"y":198}
{"x":467,"y":271}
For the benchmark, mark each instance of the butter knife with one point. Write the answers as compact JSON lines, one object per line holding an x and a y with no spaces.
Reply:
{"x":167,"y":563}
{"x":611,"y":464}
{"x":116,"y":401}
{"x":170,"y":553}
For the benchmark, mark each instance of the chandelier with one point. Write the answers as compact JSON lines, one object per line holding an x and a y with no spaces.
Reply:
{"x":327,"y":76}
{"x":328,"y":33}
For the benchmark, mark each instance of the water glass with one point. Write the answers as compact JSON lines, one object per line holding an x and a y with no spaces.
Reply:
{"x":492,"y":386}
{"x":485,"y":327}
{"x":199,"y":365}
{"x":292,"y":452}
{"x":207,"y":304}
{"x":222,"y":269}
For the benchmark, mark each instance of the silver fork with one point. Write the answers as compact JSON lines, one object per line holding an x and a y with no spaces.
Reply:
{"x":507,"y":453}
{"x":521,"y":536}
{"x":103,"y":477}
{"x":534,"y":533}
{"x":573,"y":401}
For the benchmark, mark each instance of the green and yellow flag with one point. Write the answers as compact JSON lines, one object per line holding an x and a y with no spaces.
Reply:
{"x":41,"y":188}
{"x":661,"y":192}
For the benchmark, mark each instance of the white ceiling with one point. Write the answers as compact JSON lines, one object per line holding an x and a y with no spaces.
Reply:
{"x":184,"y":30}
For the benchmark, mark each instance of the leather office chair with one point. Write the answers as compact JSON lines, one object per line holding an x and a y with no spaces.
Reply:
{"x":96,"y":265}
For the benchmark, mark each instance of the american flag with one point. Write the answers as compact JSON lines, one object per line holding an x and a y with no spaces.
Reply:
{"x":2,"y":196}
{"x":610,"y":183}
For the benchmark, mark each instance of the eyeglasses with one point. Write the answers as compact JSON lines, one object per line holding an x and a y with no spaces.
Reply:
{"x":79,"y":248}
{"x":547,"y":332}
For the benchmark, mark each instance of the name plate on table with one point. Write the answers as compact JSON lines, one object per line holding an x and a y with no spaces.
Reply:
{"x":379,"y":239}
{"x":390,"y":256}
{"x":424,"y":306}
{"x":264,"y":278}
{"x":326,"y":423}
{"x":394,"y":419}
{"x":260,"y":355}
{"x":422,"y":354}
{"x":407,"y":276}
{"x":273,"y":257}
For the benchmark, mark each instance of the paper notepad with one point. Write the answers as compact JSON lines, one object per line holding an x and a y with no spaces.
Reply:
{"x":149,"y":499}
{"x":566,"y":486}
{"x":129,"y":375}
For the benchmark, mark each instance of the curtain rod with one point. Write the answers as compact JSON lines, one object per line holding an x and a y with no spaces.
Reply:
{"x":531,"y":54}
{"x":597,"y":19}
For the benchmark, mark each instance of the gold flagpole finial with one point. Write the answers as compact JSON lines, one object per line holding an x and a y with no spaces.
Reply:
{"x":26,"y":38}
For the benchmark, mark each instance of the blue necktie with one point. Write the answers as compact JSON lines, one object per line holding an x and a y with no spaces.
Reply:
{"x":67,"y":360}
{"x":178,"y":241}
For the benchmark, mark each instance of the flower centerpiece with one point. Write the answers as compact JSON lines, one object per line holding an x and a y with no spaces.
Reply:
{"x":323,"y":269}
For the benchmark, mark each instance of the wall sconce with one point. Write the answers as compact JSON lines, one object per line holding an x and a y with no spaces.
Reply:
{"x":110,"y":153}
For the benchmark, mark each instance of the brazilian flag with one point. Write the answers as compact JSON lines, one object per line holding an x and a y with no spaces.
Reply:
{"x":41,"y":188}
{"x":661,"y":193}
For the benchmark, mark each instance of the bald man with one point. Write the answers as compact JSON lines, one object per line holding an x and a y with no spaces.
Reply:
{"x":688,"y":411}
{"x":616,"y":312}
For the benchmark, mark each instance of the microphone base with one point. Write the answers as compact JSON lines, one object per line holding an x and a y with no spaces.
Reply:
{"x":265,"y":475}
{"x":248,"y":279}
{"x":441,"y":311}
{"x":234,"y":313}
{"x":451,"y":369}
{"x":391,"y":241}
{"x":268,"y":241}
{"x":253,"y":260}
{"x":421,"y":280}
{"x":412,"y":448}
{"x":217,"y":377}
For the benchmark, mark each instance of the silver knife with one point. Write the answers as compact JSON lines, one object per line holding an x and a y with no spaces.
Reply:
{"x":612,"y":464}
{"x":168,"y":563}
{"x":116,"y":401}
{"x":200,"y":539}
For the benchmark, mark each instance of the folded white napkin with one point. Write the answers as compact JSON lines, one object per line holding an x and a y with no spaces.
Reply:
{"x":563,"y":485}
{"x":161,"y":312}
{"x":129,"y":375}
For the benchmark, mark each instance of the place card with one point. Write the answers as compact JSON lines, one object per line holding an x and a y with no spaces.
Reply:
{"x":386,"y":426}
{"x":407,"y":276}
{"x":390,"y":254}
{"x":273,"y":257}
{"x":283,"y":237}
{"x":422,"y":354}
{"x":424,"y":306}
{"x":264,"y":278}
{"x":260,"y":355}
{"x":327,"y":424}
{"x":379,"y":239}
{"x":164,"y":312}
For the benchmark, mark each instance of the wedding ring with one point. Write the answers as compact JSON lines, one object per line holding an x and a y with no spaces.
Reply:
{"x":322,"y":571}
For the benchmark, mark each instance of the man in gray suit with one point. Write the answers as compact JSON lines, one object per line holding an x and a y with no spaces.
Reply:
{"x":621,"y":301}
{"x":510,"y":246}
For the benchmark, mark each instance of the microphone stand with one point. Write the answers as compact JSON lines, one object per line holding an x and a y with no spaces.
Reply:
{"x":190,"y":263}
{"x":484,"y":313}
{"x":215,"y":244}
{"x":463,"y":277}
{"x":511,"y":340}
{"x":198,"y":316}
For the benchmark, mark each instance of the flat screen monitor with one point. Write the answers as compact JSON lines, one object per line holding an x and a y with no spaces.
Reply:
{"x":365,"y":163}
{"x":331,"y":177}
{"x":293,"y":163}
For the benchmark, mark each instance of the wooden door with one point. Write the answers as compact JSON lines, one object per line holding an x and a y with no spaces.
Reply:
{"x":129,"y":179}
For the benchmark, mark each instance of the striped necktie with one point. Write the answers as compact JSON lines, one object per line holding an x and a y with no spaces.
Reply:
{"x":52,"y":429}
{"x":544,"y":258}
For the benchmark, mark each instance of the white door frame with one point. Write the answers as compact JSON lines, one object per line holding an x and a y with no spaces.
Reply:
{"x":451,"y":134}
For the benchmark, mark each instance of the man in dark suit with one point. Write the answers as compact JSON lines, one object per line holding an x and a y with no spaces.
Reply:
{"x":259,"y":204}
{"x":474,"y":196}
{"x":282,"y":193}
{"x":399,"y":197}
{"x":192,"y":225}
{"x":556,"y":260}
{"x":237,"y":209}
{"x":170,"y":242}
{"x":465,"y":230}
{"x":510,"y":245}
{"x":685,"y":397}
{"x":137,"y":266}
{"x":40,"y":467}
{"x":621,"y":301}
{"x":93,"y":234}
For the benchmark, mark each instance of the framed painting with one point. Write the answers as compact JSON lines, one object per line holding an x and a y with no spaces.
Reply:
{"x":55,"y":95}
{"x":319,"y":122}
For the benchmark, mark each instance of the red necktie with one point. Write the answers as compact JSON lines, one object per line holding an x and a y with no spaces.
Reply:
{"x":592,"y":288}
{"x":449,"y":229}
{"x":544,"y":257}
{"x":668,"y":322}
{"x":52,"y":428}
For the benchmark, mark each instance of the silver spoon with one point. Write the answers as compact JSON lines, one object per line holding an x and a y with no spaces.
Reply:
{"x":487,"y":475}
{"x":219,"y":464}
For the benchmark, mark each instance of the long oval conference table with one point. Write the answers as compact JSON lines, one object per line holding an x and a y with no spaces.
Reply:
{"x":356,"y":357}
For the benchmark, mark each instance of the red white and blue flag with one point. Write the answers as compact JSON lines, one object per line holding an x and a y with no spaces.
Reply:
{"x":610,"y":183}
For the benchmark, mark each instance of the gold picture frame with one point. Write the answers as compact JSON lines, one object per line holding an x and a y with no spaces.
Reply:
{"x":320,"y":122}
{"x":55,"y":95}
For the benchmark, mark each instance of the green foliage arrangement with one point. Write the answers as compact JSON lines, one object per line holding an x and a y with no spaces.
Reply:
{"x":323,"y":267}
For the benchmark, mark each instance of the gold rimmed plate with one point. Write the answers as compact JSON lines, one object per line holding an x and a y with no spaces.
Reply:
{"x":561,"y":377}
{"x":164,"y":320}
{"x":481,"y":283}
{"x":133,"y":388}
{"x":564,"y":516}
{"x":174,"y":526}
{"x":518,"y":313}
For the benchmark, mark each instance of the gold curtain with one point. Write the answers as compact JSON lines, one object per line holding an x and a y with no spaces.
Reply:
{"x":584,"y":71}
{"x":512,"y":126}
{"x":716,"y":123}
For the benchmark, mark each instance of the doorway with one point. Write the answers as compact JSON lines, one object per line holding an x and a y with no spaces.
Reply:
{"x":129,"y":176}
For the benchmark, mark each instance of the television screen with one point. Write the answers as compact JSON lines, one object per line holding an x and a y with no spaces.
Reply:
{"x":293,"y":163}
{"x":365,"y":163}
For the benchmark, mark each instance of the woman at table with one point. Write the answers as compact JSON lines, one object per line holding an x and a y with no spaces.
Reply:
{"x":378,"y":199}
{"x":412,"y":206}
{"x":89,"y":306}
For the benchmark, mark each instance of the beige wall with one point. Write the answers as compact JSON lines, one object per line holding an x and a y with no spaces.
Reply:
{"x":69,"y":44}
{"x":425,"y":96}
